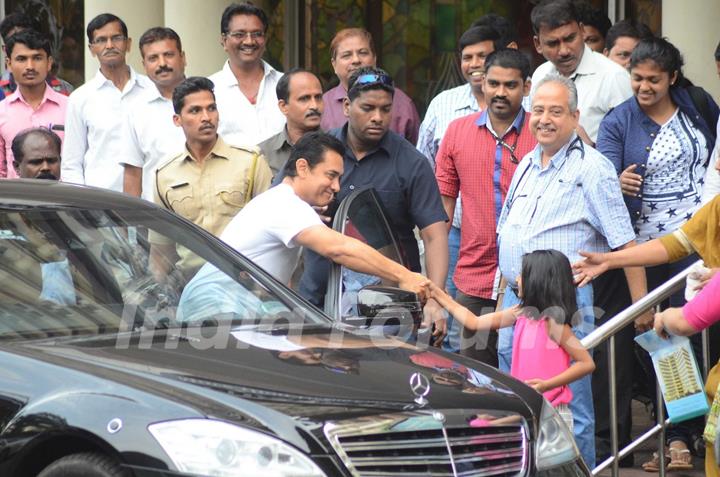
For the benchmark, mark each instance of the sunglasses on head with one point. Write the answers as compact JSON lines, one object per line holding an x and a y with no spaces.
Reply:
{"x":372,"y":78}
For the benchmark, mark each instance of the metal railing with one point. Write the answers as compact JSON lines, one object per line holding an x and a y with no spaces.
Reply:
{"x":607,"y":332}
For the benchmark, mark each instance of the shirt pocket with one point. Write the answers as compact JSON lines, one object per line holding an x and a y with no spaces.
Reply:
{"x":230,"y":197}
{"x":181,"y":200}
{"x":393,"y":201}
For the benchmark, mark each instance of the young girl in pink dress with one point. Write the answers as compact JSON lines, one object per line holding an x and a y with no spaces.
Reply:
{"x":543,"y":343}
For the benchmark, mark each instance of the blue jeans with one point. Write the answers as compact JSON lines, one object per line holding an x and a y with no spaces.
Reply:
{"x":582,"y":402}
{"x":451,"y":343}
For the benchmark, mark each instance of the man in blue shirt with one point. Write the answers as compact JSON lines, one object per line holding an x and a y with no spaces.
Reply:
{"x":564,"y":196}
{"x":401,"y":176}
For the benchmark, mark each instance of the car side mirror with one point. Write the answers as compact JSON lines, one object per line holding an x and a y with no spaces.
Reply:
{"x":380,"y":305}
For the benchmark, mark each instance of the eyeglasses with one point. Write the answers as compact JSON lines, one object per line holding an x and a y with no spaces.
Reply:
{"x":115,"y":40}
{"x":372,"y":78}
{"x":241,"y":35}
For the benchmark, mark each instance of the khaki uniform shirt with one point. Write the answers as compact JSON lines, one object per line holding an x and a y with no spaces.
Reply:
{"x":276,"y":150}
{"x":210,"y":193}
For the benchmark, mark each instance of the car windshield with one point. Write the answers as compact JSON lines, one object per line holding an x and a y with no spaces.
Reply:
{"x":69,"y":271}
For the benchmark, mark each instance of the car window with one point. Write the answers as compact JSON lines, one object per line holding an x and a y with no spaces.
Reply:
{"x":360,"y":217}
{"x":69,"y":271}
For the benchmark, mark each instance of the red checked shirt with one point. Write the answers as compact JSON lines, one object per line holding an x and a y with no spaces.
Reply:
{"x":473,"y":161}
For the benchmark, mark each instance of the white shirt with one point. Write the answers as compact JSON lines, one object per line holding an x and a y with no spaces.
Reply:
{"x":264,"y":230}
{"x":601,"y":83}
{"x":151,"y":136}
{"x":443,"y":109}
{"x":93,"y":130}
{"x":241,"y":122}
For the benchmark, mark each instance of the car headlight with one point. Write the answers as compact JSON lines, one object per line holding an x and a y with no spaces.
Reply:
{"x":555,"y":443}
{"x":208,"y":447}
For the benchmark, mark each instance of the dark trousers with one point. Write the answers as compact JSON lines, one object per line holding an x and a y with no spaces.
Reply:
{"x":611,"y":296}
{"x":478,"y":345}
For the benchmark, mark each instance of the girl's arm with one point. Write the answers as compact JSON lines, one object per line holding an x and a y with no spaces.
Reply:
{"x":489,"y":321}
{"x":583,"y":365}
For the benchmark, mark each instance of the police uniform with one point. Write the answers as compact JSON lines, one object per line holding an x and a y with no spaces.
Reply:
{"x":211,"y":193}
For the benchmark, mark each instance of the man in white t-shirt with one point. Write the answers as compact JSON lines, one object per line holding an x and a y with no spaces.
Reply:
{"x":271,"y":229}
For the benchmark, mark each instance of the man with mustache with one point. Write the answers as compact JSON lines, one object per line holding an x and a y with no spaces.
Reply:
{"x":474,"y":45}
{"x":566,"y":196}
{"x":151,"y":135}
{"x":96,"y":110}
{"x":36,"y":154}
{"x":245,"y":87}
{"x":601,"y":83}
{"x":477,"y":158}
{"x":402,"y":177}
{"x":15,"y":23}
{"x":210,"y":181}
{"x":33,"y":103}
{"x":300,"y":99}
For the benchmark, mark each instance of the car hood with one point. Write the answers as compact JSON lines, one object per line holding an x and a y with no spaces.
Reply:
{"x":325,"y":374}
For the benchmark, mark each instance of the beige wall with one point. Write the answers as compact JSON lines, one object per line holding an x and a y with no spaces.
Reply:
{"x":692,"y":25}
{"x":198,"y":24}
{"x":196,"y":21}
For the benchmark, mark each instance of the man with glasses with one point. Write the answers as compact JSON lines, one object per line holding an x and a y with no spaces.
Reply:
{"x":402,"y":177}
{"x":564,"y":196}
{"x":96,"y":110}
{"x":477,"y":158}
{"x":245,"y":87}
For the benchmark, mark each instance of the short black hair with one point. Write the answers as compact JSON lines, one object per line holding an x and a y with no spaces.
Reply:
{"x":312,"y":147}
{"x":242,"y":9}
{"x":100,"y":21}
{"x":717,"y":53}
{"x":19,"y":141}
{"x":594,"y":17}
{"x":509,"y":58}
{"x":661,"y":52}
{"x":13,"y":21}
{"x":479,"y":34}
{"x":508,"y":32}
{"x":282,"y":89}
{"x":553,"y":14}
{"x":548,"y":287}
{"x":354,"y":91}
{"x":637,"y":30}
{"x":30,"y":38}
{"x":157,"y":34}
{"x":193,"y":84}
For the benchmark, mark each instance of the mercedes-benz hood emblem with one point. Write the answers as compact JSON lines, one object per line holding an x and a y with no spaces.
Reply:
{"x":420,"y":386}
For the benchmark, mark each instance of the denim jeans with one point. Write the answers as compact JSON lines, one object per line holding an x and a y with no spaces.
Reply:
{"x":582,"y":401}
{"x":451,"y":343}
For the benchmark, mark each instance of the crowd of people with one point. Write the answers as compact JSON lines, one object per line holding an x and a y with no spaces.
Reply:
{"x":603,"y":158}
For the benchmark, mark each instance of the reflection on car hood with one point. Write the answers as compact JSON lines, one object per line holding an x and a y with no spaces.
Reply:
{"x":320,"y":373}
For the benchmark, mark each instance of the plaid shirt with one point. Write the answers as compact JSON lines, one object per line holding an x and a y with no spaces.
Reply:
{"x":474,"y":162}
{"x":573,"y":204}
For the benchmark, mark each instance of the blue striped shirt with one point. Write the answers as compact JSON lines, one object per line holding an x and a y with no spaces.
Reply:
{"x":574,"y":204}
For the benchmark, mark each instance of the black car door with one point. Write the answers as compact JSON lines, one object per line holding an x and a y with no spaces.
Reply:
{"x":361,"y":216}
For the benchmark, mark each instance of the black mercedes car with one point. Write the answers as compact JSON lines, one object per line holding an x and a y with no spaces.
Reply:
{"x":112,"y":366}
